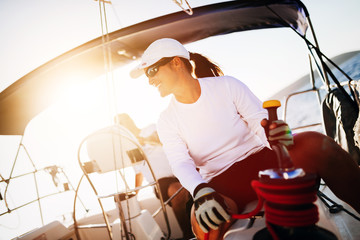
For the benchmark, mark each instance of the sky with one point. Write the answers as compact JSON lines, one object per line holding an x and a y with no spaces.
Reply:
{"x":34,"y":32}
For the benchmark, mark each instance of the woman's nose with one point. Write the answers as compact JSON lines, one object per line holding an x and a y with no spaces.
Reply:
{"x":151,"y":81}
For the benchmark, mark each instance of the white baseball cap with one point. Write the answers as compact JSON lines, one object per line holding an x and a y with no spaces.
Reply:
{"x":165,"y":47}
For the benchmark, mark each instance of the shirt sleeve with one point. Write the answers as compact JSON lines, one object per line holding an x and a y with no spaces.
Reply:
{"x":249,"y":107}
{"x":182,"y":165}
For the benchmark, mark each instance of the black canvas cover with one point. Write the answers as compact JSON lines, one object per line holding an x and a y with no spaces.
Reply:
{"x":339,"y":116}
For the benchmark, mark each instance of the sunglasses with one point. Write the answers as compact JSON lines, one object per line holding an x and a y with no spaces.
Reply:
{"x":153,"y":69}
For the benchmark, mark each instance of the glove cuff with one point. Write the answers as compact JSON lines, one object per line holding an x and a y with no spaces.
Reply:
{"x":203,"y":192}
{"x":198,"y":187}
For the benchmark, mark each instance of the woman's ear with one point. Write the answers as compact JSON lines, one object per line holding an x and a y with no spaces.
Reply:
{"x":177,"y":62}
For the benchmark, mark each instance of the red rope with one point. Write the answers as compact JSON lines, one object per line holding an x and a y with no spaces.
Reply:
{"x":288,"y":195}
{"x":278,"y":201}
{"x":291,"y":218}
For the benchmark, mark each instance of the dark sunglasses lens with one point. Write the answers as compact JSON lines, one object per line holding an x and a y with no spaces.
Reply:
{"x":151,"y":71}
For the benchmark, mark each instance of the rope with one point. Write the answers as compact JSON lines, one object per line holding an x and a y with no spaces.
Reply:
{"x":288,"y":205}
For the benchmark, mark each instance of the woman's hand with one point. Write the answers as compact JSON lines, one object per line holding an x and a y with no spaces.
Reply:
{"x":210,"y":209}
{"x":278,"y":132}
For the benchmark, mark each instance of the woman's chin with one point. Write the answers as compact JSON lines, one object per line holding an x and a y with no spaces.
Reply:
{"x":163,"y":94}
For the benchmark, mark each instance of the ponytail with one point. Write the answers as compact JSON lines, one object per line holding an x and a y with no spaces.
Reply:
{"x":204,"y":67}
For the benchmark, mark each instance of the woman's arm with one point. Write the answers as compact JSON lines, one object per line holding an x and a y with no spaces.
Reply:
{"x":182,"y":165}
{"x":249,"y":107}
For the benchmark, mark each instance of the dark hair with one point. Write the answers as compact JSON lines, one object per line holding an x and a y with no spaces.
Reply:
{"x":204,"y":67}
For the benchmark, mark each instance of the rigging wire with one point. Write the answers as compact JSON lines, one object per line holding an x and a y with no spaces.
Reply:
{"x":11,"y":172}
{"x":189,"y":11}
{"x":108,"y":63}
{"x":116,"y":15}
{"x":112,"y":102}
{"x":108,"y":66}
{"x":320,"y":54}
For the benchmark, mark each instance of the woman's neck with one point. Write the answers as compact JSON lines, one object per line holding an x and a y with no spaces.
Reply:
{"x":189,"y":90}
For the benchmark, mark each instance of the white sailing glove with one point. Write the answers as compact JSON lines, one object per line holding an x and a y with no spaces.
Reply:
{"x":281,"y":133}
{"x":210,"y":209}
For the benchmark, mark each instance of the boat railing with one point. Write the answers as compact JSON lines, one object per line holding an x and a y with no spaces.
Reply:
{"x":54,"y":171}
{"x":352,"y":84}
{"x":285,"y":111}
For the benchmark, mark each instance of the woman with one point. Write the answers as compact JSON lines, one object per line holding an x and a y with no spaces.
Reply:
{"x":213,"y":138}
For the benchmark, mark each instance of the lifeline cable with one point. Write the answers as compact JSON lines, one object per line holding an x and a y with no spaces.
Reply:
{"x":335,"y":207}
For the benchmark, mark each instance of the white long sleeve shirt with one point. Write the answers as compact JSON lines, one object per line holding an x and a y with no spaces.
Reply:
{"x":222,"y":127}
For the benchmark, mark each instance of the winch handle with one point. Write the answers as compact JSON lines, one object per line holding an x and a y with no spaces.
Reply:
{"x":271,"y":106}
{"x":284,"y":160}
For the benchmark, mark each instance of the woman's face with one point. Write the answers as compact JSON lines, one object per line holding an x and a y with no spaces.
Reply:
{"x":164,"y":79}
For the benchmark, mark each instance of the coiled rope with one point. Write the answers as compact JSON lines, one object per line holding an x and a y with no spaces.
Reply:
{"x":288,"y":203}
